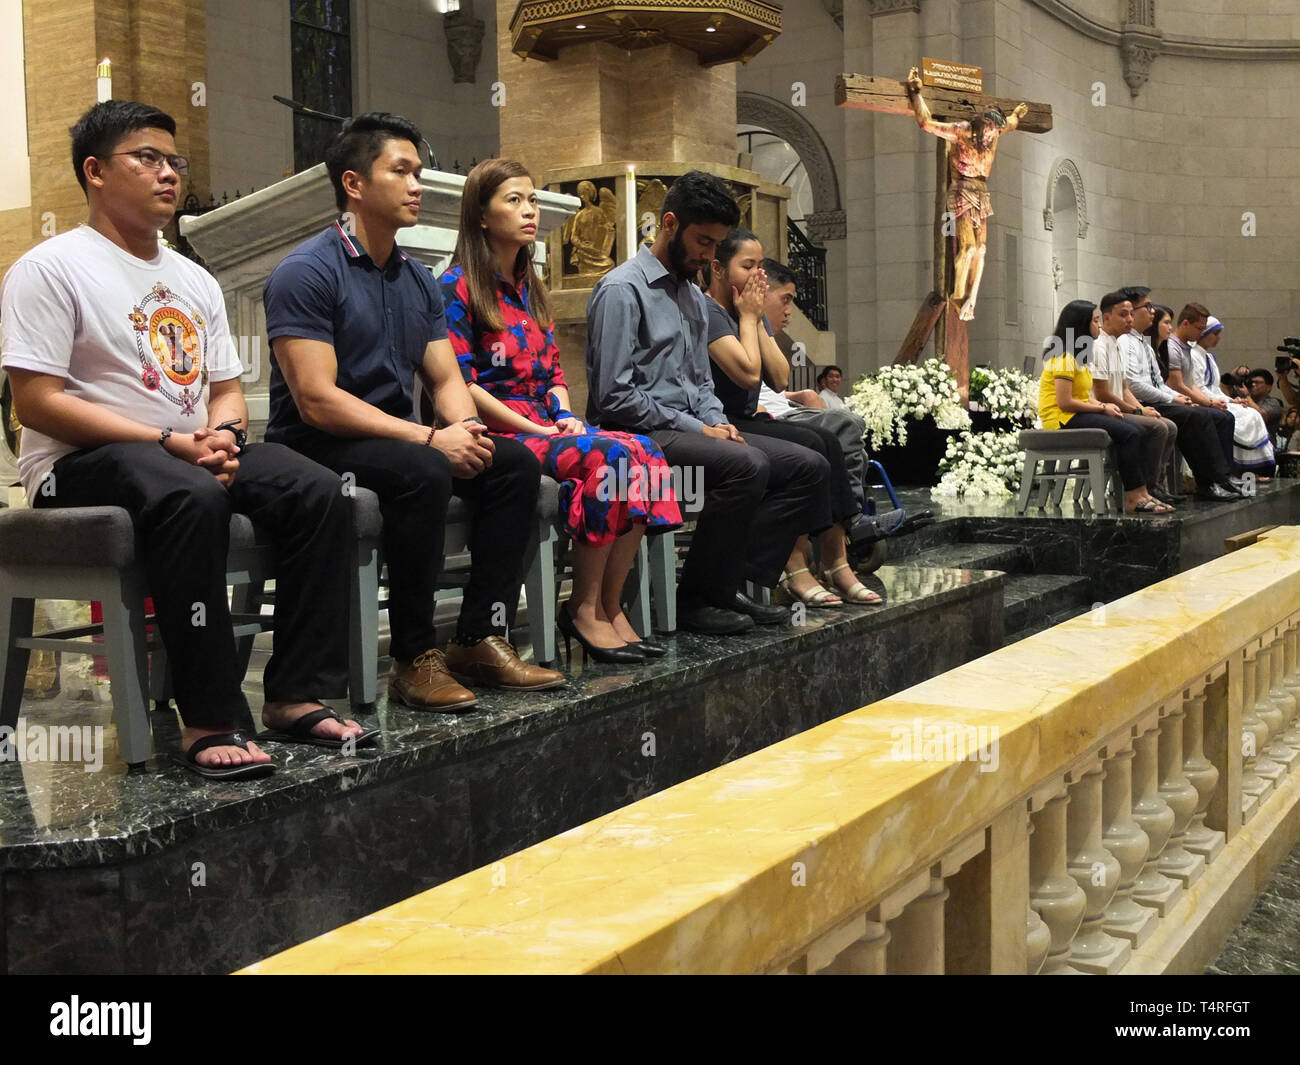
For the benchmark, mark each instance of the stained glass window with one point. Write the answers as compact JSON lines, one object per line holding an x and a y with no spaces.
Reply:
{"x":321,"y":37}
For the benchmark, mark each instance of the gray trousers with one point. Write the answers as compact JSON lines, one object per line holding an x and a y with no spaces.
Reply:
{"x":848,"y":429}
{"x":1161,"y":435}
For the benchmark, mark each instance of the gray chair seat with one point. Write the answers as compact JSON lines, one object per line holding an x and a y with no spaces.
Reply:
{"x":1064,"y":439}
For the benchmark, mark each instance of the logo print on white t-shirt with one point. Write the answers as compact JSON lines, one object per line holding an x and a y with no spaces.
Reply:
{"x":171,"y":341}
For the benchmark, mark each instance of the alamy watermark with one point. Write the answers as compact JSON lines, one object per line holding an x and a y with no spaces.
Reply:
{"x":945,"y":741}
{"x":622,"y":481}
{"x":53,"y":743}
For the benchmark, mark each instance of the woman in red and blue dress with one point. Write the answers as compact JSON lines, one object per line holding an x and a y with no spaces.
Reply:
{"x":614,"y":486}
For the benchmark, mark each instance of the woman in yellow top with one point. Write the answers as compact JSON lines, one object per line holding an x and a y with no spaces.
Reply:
{"x":1065,"y":400}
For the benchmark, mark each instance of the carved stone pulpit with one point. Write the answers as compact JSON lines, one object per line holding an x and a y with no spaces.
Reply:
{"x":242,"y":242}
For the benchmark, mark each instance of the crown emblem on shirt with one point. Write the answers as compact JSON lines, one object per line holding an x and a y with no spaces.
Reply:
{"x":139,"y":319}
{"x":160,"y":290}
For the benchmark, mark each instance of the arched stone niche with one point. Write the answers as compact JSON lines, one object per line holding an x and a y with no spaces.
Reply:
{"x":827,"y":220}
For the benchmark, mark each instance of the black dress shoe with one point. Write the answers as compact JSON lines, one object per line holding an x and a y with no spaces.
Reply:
{"x":649,"y":648}
{"x":1218,"y":493}
{"x":764,"y":615}
{"x":711,"y":620}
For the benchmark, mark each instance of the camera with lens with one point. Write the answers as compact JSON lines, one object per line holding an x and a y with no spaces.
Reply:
{"x":1291,"y":347}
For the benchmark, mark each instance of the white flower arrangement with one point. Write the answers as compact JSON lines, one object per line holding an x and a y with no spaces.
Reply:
{"x":1007,"y":394}
{"x":981,"y":465}
{"x":886,"y":400}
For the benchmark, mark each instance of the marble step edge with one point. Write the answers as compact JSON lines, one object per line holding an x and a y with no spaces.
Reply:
{"x":1008,"y":557}
{"x":1028,"y":599}
{"x":516,"y":717}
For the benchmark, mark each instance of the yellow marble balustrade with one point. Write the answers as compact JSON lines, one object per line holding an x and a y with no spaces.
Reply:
{"x":702,"y":877}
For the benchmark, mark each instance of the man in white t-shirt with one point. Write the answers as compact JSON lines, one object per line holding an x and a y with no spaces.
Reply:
{"x":1108,"y":367}
{"x":126,"y":380}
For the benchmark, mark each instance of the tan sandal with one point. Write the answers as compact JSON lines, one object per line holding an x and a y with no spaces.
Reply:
{"x":816,"y":596}
{"x":859,"y":594}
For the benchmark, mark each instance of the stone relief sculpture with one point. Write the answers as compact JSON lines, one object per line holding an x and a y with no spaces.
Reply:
{"x":588,"y":236}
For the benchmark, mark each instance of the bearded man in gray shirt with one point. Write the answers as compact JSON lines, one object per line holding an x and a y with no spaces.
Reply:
{"x":648,"y":372}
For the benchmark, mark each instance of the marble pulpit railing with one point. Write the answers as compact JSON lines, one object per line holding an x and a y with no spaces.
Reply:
{"x":242,"y":242}
{"x":1102,"y":797}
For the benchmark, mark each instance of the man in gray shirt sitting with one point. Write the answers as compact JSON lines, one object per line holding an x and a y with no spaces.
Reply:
{"x":648,"y":372}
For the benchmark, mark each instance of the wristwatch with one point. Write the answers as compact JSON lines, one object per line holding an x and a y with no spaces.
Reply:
{"x":241,"y":437}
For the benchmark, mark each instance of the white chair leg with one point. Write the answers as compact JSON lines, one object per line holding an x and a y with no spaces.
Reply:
{"x":663,"y":580}
{"x":539,"y":585}
{"x":639,"y":606}
{"x":124,"y":649}
{"x":363,"y":624}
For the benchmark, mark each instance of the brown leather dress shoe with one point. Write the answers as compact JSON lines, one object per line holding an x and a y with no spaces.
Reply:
{"x":425,"y":684}
{"x":495,"y":663}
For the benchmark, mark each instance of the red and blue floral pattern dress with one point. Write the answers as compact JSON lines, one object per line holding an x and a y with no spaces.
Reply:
{"x":608,"y":480}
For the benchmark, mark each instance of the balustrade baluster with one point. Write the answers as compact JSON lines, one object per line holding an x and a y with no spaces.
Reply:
{"x":1060,"y":902}
{"x":1254,"y":735}
{"x":1097,"y":873}
{"x":1199,"y":770}
{"x":1176,"y":861}
{"x":1154,"y":817}
{"x":1129,"y":844}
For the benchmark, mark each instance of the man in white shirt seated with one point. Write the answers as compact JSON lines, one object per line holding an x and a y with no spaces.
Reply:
{"x":1107,"y":366}
{"x":1198,"y":434}
{"x":828,"y":381}
{"x":806,"y":405}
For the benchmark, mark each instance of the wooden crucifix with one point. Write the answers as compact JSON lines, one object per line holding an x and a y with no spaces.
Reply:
{"x":968,"y":123}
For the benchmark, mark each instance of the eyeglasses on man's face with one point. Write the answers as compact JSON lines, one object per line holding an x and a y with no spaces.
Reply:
{"x":152,"y":159}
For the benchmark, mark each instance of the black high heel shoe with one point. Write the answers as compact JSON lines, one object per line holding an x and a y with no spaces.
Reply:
{"x":649,"y":648}
{"x":625,"y":654}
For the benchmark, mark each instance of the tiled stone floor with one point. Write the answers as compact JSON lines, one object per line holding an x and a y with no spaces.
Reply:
{"x":1267,"y":942}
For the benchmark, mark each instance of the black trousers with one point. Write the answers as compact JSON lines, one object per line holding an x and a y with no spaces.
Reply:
{"x":1201,"y":439}
{"x":758,"y":498}
{"x":182,"y":522}
{"x":840,"y":502}
{"x":1129,"y":440}
{"x":415,"y":484}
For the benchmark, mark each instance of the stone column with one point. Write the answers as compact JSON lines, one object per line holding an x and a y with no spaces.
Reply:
{"x":1096,"y":872}
{"x":1155,"y":818}
{"x":1060,"y":902}
{"x":916,"y":946}
{"x":1269,"y":715}
{"x":865,"y":956}
{"x":158,"y":52}
{"x":1282,"y":704}
{"x":1291,"y":681}
{"x":1182,"y":797}
{"x":1254,"y":736}
{"x":1199,"y":770}
{"x":1129,"y":844}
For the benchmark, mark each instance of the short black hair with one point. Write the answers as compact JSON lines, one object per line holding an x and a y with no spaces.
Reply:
{"x":827,"y":369}
{"x":1114,"y":299}
{"x":1133,"y":293}
{"x":699,"y":197}
{"x":778,"y":274}
{"x":1264,"y":374}
{"x":360,"y":142}
{"x":102,"y":128}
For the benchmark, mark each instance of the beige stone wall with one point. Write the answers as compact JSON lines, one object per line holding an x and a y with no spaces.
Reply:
{"x":1274,"y":20}
{"x":399,"y":64}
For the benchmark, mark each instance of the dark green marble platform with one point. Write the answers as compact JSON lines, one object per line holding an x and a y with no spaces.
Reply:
{"x":109,"y":872}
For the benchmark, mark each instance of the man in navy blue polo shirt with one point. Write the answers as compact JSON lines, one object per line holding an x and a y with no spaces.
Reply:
{"x":351,"y":321}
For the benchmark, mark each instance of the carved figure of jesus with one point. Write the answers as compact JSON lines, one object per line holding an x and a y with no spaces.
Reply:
{"x":966,"y":202}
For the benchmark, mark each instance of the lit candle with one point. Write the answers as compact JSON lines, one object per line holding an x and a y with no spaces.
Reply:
{"x":633,"y":230}
{"x":104,"y":80}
